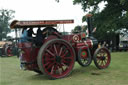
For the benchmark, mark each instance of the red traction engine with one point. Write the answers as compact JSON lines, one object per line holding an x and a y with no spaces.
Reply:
{"x":54,"y":53}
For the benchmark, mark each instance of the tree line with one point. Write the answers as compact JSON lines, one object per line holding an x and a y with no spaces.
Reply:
{"x":113,"y":17}
{"x":5,"y":17}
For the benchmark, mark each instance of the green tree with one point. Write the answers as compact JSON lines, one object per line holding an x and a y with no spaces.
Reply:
{"x":79,"y":29}
{"x":113,"y":17}
{"x":57,"y":1}
{"x":5,"y":17}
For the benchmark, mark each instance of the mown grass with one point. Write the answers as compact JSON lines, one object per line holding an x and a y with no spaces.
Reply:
{"x":115,"y":74}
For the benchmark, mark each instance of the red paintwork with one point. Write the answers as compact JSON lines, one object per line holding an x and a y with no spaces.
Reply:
{"x":49,"y":59}
{"x":60,"y":53}
{"x":30,"y":53}
{"x":9,"y":51}
{"x":84,"y":56}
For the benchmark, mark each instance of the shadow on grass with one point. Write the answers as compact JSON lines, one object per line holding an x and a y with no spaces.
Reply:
{"x":86,"y":70}
{"x":90,"y":70}
{"x":38,"y":77}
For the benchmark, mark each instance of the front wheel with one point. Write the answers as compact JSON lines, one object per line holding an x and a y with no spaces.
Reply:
{"x":84,"y":57}
{"x":102,"y":58}
{"x":56,"y":58}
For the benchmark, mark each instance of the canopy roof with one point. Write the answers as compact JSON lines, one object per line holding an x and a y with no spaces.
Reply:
{"x":40,"y":23}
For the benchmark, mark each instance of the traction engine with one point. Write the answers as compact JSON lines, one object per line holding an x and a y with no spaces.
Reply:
{"x":53,"y":53}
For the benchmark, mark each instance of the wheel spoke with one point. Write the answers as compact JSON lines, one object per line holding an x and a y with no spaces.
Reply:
{"x":84,"y":61}
{"x":63,"y":51}
{"x":61,"y":67}
{"x":50,"y":65}
{"x":60,"y":51}
{"x":52,"y":70}
{"x":50,"y":59}
{"x":50,"y":52}
{"x":98,"y":57}
{"x":104,"y":62}
{"x":46,"y":64}
{"x":106,"y":57}
{"x":55,"y":49}
{"x":65,"y":65}
{"x":66,"y":61}
{"x":98,"y":61}
{"x":64,"y":54}
{"x":55,"y":69}
{"x":67,"y":57}
{"x":103,"y":53}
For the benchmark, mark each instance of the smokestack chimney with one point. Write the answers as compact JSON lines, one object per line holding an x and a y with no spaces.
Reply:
{"x":89,"y":22}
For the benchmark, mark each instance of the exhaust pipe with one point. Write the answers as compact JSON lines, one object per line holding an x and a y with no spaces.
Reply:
{"x":89,"y":22}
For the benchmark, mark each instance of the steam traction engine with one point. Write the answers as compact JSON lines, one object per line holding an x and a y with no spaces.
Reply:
{"x":56,"y":54}
{"x":6,"y":49}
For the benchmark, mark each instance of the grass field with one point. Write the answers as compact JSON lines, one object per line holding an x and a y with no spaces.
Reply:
{"x":115,"y":74}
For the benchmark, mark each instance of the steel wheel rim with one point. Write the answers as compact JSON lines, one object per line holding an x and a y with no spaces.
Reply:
{"x":58,"y":59}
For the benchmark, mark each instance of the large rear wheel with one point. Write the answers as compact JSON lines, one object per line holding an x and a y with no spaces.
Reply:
{"x":56,"y":58}
{"x":102,"y":58}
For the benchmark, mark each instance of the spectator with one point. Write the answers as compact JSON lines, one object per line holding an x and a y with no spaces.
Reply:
{"x":104,"y":44}
{"x":24,"y":35}
{"x":30,"y":32}
{"x":39,"y":37}
{"x":99,"y":45}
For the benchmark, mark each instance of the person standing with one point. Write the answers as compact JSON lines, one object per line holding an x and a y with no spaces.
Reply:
{"x":39,"y":37}
{"x":30,"y":32}
{"x":24,"y":35}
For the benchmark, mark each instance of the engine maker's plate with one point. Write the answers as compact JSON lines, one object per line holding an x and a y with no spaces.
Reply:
{"x":76,"y":38}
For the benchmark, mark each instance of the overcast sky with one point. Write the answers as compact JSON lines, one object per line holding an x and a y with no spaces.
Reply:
{"x":45,"y":10}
